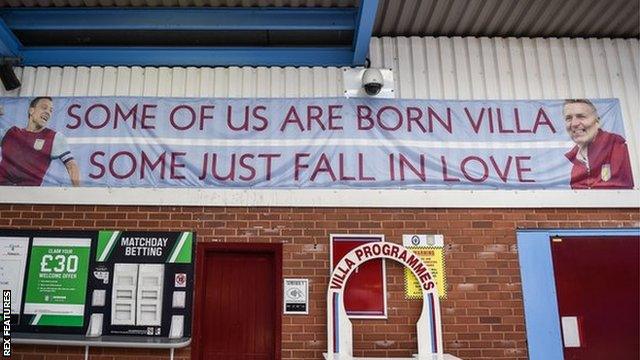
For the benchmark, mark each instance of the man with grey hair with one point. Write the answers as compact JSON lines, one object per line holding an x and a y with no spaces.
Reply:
{"x":600,"y":159}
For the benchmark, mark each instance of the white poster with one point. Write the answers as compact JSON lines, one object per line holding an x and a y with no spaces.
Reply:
{"x":13,"y":259}
{"x":296,"y":296}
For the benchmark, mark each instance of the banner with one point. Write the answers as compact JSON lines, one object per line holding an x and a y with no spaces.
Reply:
{"x":313,"y":143}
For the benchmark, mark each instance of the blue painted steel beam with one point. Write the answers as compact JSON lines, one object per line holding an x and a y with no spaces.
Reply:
{"x":364,"y":27}
{"x":181,"y":19}
{"x":544,"y":340}
{"x":9,"y":44}
{"x":187,"y":56}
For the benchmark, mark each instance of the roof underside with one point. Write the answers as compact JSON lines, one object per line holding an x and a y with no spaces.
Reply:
{"x":494,"y":18}
{"x":279,"y":32}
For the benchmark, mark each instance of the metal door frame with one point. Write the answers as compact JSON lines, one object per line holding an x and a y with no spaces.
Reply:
{"x":542,"y":319}
{"x":202,"y":250}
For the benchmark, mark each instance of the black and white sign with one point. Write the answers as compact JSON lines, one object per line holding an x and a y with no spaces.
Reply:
{"x":296,"y":296}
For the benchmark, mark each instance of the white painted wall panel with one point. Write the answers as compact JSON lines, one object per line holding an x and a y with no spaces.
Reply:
{"x":95,"y":81}
{"x":461,"y":68}
{"x":424,"y":68}
{"x":433,"y":69}
{"x":476,"y":71}
{"x":447,"y":69}
{"x":505,"y":70}
{"x":419,"y":66}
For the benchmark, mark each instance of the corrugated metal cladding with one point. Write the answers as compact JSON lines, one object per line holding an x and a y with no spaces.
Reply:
{"x":519,"y":18}
{"x":169,"y":3}
{"x":424,"y":68}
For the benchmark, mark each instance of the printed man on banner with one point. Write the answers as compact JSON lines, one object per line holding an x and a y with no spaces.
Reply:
{"x":27,"y":153}
{"x":600,"y":159}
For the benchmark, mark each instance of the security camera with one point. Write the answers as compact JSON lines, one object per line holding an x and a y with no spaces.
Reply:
{"x":372,"y":81}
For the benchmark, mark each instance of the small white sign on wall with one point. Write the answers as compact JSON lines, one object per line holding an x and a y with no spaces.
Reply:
{"x":296,"y":296}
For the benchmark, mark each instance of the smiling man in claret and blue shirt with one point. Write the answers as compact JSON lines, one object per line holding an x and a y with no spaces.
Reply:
{"x":27,"y":152}
{"x":600,"y":159}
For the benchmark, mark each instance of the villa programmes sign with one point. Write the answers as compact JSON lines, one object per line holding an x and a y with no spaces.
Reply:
{"x":313,"y":143}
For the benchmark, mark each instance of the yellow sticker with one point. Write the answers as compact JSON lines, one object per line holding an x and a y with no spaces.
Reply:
{"x":434,"y":258}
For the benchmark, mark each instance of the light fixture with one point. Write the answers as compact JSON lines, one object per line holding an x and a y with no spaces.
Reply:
{"x":7,"y":75}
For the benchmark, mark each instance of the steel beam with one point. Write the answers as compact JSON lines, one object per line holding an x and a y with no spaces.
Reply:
{"x":186,"y":56}
{"x":180,"y":19}
{"x":364,"y":27}
{"x":9,"y":44}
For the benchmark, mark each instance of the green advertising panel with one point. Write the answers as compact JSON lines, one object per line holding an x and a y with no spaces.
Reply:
{"x":57,"y":281}
{"x":99,"y":287}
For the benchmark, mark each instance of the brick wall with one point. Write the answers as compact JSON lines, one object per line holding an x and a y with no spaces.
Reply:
{"x":482,"y":317}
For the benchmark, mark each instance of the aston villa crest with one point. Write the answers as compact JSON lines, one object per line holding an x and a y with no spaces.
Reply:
{"x":605,"y":173}
{"x":39,"y":144}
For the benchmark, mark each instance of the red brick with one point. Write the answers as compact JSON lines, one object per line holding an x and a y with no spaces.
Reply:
{"x":482,"y":317}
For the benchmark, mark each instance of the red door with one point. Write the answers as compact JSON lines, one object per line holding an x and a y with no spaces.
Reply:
{"x":365,"y":293}
{"x":597,"y":285}
{"x":238,"y":302}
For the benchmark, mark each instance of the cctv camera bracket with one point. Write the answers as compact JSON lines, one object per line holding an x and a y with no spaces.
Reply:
{"x":8,"y":77}
{"x":352,"y":82}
